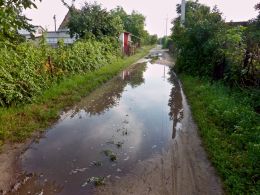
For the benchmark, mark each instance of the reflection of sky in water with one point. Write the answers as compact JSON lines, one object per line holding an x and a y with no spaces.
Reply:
{"x":79,"y":139}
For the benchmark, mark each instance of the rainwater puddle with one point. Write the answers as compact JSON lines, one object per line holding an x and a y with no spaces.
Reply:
{"x":129,"y":119}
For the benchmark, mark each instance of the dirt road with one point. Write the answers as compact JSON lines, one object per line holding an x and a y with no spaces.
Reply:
{"x":135,"y":134}
{"x":183,"y":168}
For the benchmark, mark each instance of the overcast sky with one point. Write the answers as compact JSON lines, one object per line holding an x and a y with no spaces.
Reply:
{"x":156,"y":11}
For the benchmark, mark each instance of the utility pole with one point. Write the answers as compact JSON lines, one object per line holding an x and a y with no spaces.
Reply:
{"x":54,"y":18}
{"x":183,"y":10}
{"x":166,"y":32}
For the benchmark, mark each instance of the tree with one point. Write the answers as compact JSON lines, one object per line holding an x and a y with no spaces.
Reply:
{"x":257,"y":7}
{"x":120,"y":12}
{"x":12,"y":18}
{"x":94,"y":21}
{"x":208,"y":47}
{"x":252,"y":55}
{"x":133,"y":23}
{"x":197,"y":42}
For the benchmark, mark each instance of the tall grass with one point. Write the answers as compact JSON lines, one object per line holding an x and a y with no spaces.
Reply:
{"x":230,"y":129}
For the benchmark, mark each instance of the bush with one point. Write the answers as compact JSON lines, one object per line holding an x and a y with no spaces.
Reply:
{"x":26,"y":72}
{"x":208,"y":47}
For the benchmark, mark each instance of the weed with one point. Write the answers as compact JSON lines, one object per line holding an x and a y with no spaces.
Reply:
{"x":110,"y":154}
{"x":124,"y":132}
{"x":97,"y":181}
{"x":97,"y":163}
{"x":119,"y":144}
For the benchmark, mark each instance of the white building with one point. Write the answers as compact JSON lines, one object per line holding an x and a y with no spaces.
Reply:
{"x":38,"y":32}
{"x":53,"y":37}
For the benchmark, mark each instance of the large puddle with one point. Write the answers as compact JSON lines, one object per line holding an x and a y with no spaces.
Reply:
{"x":131,"y":118}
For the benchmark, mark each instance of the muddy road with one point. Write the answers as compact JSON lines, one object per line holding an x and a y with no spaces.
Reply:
{"x":135,"y":134}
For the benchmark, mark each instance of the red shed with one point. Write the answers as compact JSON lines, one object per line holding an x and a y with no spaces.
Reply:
{"x":126,"y":41}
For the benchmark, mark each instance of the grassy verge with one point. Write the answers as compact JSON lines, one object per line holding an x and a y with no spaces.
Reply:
{"x":18,"y":123}
{"x":230,"y":131}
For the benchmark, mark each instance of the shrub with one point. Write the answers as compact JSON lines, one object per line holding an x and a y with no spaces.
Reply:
{"x":26,"y":71}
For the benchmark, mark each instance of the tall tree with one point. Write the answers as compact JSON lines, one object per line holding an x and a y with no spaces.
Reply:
{"x":257,"y":7}
{"x":94,"y":21}
{"x":197,"y":41}
{"x":12,"y":19}
{"x":133,"y":23}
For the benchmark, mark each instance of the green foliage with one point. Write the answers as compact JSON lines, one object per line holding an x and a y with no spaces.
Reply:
{"x":92,"y":21}
{"x":136,"y":25}
{"x":18,"y":122}
{"x":148,"y":39}
{"x":153,"y":39}
{"x":166,"y":42}
{"x":26,"y":72}
{"x":12,"y":18}
{"x":195,"y":43}
{"x":230,"y":129}
{"x":133,"y":23}
{"x":234,"y":53}
{"x":257,"y":7}
{"x":207,"y":47}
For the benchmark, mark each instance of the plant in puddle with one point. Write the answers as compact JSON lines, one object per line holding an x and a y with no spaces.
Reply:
{"x":97,"y":163}
{"x":110,"y":154}
{"x":119,"y":144}
{"x":125,"y":132}
{"x":97,"y":181}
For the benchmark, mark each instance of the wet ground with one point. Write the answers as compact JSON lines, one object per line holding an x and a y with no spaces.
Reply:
{"x":135,"y":134}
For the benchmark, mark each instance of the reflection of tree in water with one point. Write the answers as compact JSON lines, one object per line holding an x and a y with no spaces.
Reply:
{"x":175,"y":102}
{"x":109,"y":95}
{"x":136,"y":77}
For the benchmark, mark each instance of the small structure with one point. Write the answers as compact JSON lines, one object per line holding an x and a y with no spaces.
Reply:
{"x":125,"y":39}
{"x":127,"y":44}
{"x":64,"y":23}
{"x":53,"y":37}
{"x":239,"y":23}
{"x":38,"y":32}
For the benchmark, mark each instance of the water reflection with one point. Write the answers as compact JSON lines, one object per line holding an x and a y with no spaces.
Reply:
{"x":132,"y":110}
{"x":109,"y":95}
{"x":175,"y":103}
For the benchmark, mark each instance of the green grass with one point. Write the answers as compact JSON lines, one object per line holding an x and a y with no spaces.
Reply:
{"x":230,"y":131}
{"x":18,"y":123}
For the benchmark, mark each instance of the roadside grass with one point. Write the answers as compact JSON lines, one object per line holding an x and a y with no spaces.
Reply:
{"x":18,"y":123}
{"x":230,"y":130}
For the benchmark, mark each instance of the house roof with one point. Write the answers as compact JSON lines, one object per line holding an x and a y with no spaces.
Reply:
{"x":241,"y":23}
{"x":65,"y":21}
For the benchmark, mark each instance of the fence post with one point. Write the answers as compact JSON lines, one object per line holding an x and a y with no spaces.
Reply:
{"x":49,"y":62}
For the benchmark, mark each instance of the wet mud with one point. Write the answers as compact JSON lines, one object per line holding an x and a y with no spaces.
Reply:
{"x":134,"y":135}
